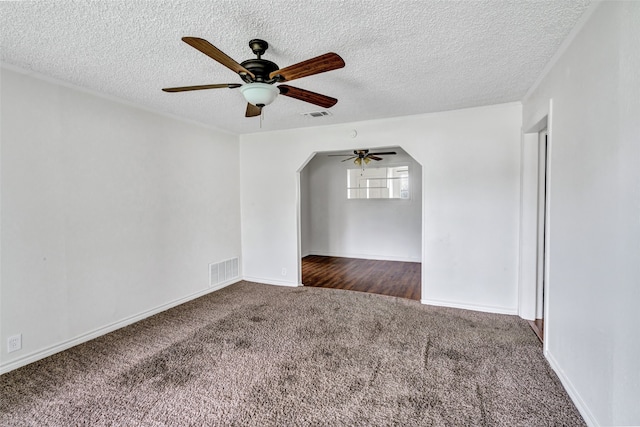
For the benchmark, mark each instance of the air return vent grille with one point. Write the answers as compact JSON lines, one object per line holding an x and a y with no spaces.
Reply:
{"x":223,"y":271}
{"x":315,"y":114}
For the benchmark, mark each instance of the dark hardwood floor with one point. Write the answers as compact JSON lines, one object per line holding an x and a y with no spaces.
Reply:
{"x":538,"y":327}
{"x":393,"y":278}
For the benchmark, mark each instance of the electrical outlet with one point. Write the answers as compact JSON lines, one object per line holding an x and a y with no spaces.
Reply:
{"x":284,"y":272}
{"x":14,"y":343}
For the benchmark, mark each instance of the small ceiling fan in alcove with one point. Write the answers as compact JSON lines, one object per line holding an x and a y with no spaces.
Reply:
{"x":362,"y":157}
{"x":260,"y":75}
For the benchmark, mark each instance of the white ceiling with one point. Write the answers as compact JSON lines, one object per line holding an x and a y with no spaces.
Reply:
{"x":402,"y":57}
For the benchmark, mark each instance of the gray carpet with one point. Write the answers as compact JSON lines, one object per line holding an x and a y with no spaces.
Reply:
{"x":260,"y":355}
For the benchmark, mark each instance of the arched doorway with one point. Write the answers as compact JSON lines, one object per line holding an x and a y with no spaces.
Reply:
{"x":370,"y":243}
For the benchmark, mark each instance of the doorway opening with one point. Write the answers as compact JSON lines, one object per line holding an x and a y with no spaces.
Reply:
{"x":367,"y":239}
{"x":541,"y":256}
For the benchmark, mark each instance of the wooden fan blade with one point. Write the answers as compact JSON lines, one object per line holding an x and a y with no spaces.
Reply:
{"x":252,"y":110}
{"x":216,"y":54}
{"x":387,"y":153}
{"x":352,"y":157}
{"x":373,"y":157}
{"x":319,"y":64}
{"x":307,"y":96}
{"x":187,"y":88}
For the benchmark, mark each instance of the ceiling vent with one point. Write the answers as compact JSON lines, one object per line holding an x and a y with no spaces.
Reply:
{"x":317,"y":114}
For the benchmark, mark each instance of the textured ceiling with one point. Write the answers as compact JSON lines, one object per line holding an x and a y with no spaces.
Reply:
{"x":402,"y":57}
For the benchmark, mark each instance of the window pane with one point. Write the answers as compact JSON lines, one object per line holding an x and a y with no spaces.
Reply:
{"x":378,"y":183}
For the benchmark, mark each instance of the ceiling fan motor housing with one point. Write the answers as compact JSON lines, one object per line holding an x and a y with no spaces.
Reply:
{"x":261,"y":68}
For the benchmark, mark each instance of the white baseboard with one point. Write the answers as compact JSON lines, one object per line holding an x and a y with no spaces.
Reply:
{"x":474,"y":307}
{"x":88,"y":336}
{"x":582,"y":407}
{"x":270,"y":282}
{"x":367,"y":256}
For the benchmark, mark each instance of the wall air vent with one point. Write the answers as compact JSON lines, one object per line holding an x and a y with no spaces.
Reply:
{"x":223,"y":271}
{"x":317,"y":114}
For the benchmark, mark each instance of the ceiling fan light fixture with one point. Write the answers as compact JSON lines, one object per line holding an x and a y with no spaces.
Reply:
{"x":259,"y":94}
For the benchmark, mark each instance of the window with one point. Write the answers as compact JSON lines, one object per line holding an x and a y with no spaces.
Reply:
{"x":378,"y":183}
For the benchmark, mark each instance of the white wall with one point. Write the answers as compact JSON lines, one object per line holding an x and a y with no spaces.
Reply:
{"x":470,"y":167}
{"x":109,"y":212}
{"x":592,"y":337}
{"x":369,"y":229}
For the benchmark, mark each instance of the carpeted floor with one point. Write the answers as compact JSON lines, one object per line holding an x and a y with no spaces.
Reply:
{"x":260,"y":355}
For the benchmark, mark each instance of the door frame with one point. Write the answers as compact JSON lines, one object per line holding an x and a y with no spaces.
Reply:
{"x":532,"y":280}
{"x":299,"y":214}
